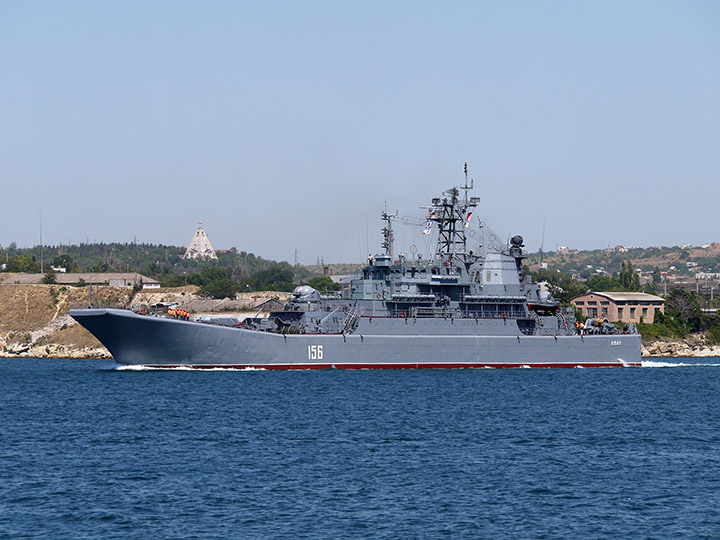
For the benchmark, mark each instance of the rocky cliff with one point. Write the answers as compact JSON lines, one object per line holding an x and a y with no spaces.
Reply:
{"x":34,"y":320}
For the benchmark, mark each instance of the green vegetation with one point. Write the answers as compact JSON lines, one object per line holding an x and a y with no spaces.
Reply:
{"x":277,"y":277}
{"x":629,"y":278}
{"x":50,"y":277}
{"x":682,"y":317}
{"x":64,"y":261}
{"x":233,"y":270}
{"x":323,"y":284}
{"x":22,"y":263}
{"x":585,"y":264}
{"x":216,"y":283}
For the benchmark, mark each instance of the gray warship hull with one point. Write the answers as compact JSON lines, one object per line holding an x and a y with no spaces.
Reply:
{"x":397,"y":343}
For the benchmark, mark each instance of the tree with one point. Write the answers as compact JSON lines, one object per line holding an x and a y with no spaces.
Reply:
{"x":63,"y":261}
{"x":50,"y":278}
{"x":323,"y":284}
{"x":214,"y":282}
{"x":23,"y":263}
{"x":223,"y":287}
{"x":278,"y":277}
{"x":684,"y":307}
{"x":604,"y":283}
{"x":629,"y":278}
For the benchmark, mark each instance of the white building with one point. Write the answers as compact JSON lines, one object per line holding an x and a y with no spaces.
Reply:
{"x":200,"y":247}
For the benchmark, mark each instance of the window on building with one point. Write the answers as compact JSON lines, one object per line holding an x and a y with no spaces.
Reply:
{"x":644,"y":312}
{"x":579,"y":303}
{"x":604,"y":303}
{"x":632,"y":312}
{"x":604,"y":312}
{"x":592,"y":303}
{"x":620,"y":313}
{"x":592,"y":312}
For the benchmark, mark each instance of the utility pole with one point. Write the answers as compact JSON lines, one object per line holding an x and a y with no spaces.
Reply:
{"x":42,"y":262}
{"x":542,"y":244}
{"x":91,"y":286}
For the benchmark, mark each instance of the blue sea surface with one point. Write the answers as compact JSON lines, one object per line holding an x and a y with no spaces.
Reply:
{"x":90,"y":451}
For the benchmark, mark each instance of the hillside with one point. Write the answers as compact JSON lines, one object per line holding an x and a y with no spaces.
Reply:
{"x":677,"y":262}
{"x":34,"y":320}
{"x":164,"y":263}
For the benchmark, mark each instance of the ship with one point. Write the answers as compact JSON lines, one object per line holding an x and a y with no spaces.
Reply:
{"x":454,"y":307}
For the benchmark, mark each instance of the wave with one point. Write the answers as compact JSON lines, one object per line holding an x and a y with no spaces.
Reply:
{"x":656,"y":364}
{"x":182,"y":368}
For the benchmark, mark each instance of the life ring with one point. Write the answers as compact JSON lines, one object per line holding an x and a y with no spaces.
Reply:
{"x":379,"y":295}
{"x":401,"y":314}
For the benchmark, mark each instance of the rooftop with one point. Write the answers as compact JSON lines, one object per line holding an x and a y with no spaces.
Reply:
{"x":626,"y":296}
{"x":73,"y":279}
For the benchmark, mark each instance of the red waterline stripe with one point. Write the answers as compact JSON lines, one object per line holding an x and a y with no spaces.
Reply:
{"x":397,"y":366}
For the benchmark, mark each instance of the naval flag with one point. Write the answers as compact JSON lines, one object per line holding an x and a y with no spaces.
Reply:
{"x":428,"y":227}
{"x":467,"y":220}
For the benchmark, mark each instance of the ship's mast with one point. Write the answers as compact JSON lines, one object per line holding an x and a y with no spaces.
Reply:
{"x":387,"y":232}
{"x":452,"y":215}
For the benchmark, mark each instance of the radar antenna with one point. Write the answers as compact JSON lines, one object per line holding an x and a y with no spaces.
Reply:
{"x":452,"y":216}
{"x":387,"y":232}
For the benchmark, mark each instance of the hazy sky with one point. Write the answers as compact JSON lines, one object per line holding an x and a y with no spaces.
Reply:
{"x":287,"y":125}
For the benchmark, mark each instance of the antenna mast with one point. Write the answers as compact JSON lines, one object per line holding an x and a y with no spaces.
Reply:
{"x":452,"y":216}
{"x":387,"y":232}
{"x":42,"y":262}
{"x":467,"y":187}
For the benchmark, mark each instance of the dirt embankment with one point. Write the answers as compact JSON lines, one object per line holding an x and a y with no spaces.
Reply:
{"x":34,"y":320}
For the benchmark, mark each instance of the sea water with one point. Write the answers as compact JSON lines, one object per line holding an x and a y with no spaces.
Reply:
{"x":91,"y":451}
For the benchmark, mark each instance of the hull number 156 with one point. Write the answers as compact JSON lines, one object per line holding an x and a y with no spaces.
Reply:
{"x":315,"y":352}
